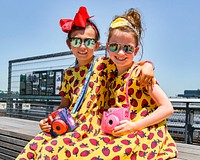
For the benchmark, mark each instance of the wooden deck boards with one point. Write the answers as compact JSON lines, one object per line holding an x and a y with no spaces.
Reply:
{"x":14,"y":135}
{"x":31,"y":128}
{"x":188,"y":151}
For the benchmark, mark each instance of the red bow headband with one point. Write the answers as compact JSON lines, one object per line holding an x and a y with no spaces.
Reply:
{"x":80,"y":20}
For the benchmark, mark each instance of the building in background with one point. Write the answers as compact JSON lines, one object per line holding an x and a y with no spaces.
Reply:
{"x":190,"y":94}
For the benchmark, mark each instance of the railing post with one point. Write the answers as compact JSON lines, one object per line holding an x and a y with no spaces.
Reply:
{"x":188,"y":125}
{"x":48,"y":108}
{"x":9,"y":108}
{"x":191,"y":129}
{"x":9,"y":98}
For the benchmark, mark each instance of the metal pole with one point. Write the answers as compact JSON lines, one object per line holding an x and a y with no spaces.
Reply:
{"x":9,"y":98}
{"x":188,"y":127}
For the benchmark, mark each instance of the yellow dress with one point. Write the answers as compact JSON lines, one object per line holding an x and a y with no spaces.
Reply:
{"x":89,"y":115}
{"x":151,"y":143}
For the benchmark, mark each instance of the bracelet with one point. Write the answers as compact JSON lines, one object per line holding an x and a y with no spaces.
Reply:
{"x":147,"y":61}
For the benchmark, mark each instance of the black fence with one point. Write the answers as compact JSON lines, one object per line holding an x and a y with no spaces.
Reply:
{"x":184,"y":124}
{"x":30,"y":107}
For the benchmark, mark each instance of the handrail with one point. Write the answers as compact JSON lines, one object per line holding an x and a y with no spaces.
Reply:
{"x":185,"y":100}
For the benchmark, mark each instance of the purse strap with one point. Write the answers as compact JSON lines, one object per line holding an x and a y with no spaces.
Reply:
{"x":127,"y":99}
{"x":84,"y":89}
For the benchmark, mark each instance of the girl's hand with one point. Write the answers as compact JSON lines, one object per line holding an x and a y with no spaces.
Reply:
{"x":146,"y":73}
{"x":125,"y":127}
{"x":44,"y":125}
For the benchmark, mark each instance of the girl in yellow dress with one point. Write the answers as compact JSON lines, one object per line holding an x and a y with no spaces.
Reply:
{"x":145,"y":135}
{"x":83,"y":40}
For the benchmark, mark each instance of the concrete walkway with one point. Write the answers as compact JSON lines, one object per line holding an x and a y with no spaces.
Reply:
{"x":21,"y":126}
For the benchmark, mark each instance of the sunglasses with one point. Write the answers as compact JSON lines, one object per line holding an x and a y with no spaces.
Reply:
{"x":88,"y":42}
{"x":115,"y":47}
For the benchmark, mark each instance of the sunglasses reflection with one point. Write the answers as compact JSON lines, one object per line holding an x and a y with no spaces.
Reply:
{"x":77,"y":42}
{"x":116,"y":47}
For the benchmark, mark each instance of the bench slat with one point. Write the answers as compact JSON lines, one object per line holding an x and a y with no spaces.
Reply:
{"x":9,"y":152}
{"x":6,"y":157}
{"x":11,"y":147}
{"x":12,"y":140}
{"x":15,"y":134}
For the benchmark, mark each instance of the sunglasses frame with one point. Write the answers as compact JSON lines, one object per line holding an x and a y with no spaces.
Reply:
{"x":83,"y":40}
{"x":119,"y":47}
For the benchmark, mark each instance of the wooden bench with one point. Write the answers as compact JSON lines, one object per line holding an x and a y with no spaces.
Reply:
{"x":15,"y":133}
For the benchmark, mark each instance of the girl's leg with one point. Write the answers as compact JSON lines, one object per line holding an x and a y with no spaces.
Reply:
{"x":32,"y":149}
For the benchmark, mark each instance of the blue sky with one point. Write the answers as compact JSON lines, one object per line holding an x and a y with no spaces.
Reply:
{"x":171,"y":39}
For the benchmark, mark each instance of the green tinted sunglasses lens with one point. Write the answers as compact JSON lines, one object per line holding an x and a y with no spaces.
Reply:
{"x":114,"y":47}
{"x":76,"y":42}
{"x":128,"y":49}
{"x":90,"y":43}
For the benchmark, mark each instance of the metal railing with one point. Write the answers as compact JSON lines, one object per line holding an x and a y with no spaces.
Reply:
{"x":185,"y":122}
{"x":32,"y":107}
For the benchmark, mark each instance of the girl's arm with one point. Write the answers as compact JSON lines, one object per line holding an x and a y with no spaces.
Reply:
{"x":164,"y":110}
{"x":65,"y":102}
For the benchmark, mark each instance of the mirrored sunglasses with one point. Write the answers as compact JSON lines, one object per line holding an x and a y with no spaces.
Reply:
{"x":115,"y":47}
{"x":88,"y":42}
